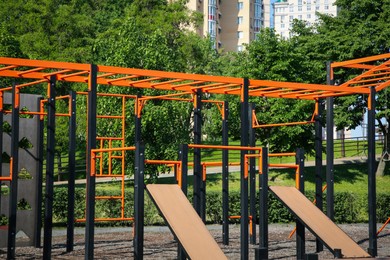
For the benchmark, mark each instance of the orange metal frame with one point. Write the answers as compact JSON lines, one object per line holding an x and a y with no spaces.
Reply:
{"x":40,"y":71}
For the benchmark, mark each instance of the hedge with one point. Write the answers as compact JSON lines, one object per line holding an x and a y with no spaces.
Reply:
{"x":349,"y":208}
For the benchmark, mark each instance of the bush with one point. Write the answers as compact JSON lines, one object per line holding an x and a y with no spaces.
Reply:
{"x":349,"y":207}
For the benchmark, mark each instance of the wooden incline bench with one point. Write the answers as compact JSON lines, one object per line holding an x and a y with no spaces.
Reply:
{"x":318,"y":223}
{"x":184,"y":222}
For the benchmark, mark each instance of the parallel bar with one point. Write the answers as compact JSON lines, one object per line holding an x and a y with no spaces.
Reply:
{"x":319,"y":178}
{"x":244,"y":181}
{"x":13,"y":197}
{"x":72,"y":169}
{"x":225,"y":175}
{"x":50,"y":157}
{"x":373,"y":247}
{"x":139,"y":201}
{"x":91,"y":180}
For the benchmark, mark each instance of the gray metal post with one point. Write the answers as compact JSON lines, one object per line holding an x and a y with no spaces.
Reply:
{"x":329,"y":150}
{"x":318,"y":164}
{"x":50,"y":157}
{"x":263,"y":201}
{"x":300,"y":234}
{"x":372,"y":249}
{"x":91,"y":144}
{"x":198,"y":187}
{"x":13,"y":197}
{"x":139,"y":188}
{"x":225,"y":176}
{"x":252,"y":176}
{"x":244,"y":181}
{"x":71,"y":169}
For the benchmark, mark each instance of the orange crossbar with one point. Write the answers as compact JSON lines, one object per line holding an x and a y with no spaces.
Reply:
{"x":227,"y":147}
{"x":383,"y":226}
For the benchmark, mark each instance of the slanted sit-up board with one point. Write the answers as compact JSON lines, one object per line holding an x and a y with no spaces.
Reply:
{"x":184,"y":222}
{"x":318,"y":223}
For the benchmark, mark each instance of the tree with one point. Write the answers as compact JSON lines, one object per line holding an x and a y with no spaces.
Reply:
{"x":360,"y":30}
{"x":270,"y":57}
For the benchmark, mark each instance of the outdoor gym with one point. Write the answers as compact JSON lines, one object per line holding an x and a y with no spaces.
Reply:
{"x":28,"y":114}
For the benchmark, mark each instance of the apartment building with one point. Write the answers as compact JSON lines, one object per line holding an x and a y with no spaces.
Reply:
{"x":285,"y":11}
{"x":233,"y":23}
{"x":230,"y":24}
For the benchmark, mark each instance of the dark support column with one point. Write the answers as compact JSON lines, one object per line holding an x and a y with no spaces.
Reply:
{"x":50,"y":156}
{"x":252,"y":176}
{"x":329,"y":149}
{"x":13,"y":196}
{"x":71,"y":169}
{"x":318,"y":165}
{"x":39,"y":180}
{"x":139,"y":201}
{"x":329,"y":159}
{"x":91,"y":144}
{"x":300,"y":234}
{"x":1,"y":138}
{"x":198,"y":196}
{"x":244,"y":181}
{"x":225,"y":175}
{"x":372,"y":249}
{"x":263,"y":201}
{"x":183,"y":157}
{"x":137,"y":122}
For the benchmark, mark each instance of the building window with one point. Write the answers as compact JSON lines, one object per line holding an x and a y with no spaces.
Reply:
{"x":257,"y":10}
{"x":308,"y":7}
{"x":240,"y":19}
{"x":291,"y":8}
{"x":300,"y":17}
{"x":256,"y":25}
{"x":308,"y":16}
{"x":299,"y":8}
{"x":240,"y":34}
{"x":282,"y":25}
{"x":291,"y":18}
{"x":240,"y":5}
{"x":240,"y":48}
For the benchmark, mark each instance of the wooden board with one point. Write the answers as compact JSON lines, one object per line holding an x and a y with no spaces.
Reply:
{"x":318,"y":223}
{"x":184,"y":222}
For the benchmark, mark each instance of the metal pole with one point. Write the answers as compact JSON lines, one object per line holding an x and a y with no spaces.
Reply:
{"x":252,"y":176}
{"x":263,"y":201}
{"x":372,"y":249}
{"x":137,"y":122}
{"x":139,"y":201}
{"x":300,"y":234}
{"x":72,"y":168}
{"x":41,"y":125}
{"x":183,"y":157}
{"x":329,"y":149}
{"x":13,"y":197}
{"x":318,"y":164}
{"x":91,"y":144}
{"x":50,"y":156}
{"x":244,"y":181}
{"x":225,"y":175}
{"x":198,"y":187}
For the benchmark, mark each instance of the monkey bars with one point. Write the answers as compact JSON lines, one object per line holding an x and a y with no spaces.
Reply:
{"x":40,"y":71}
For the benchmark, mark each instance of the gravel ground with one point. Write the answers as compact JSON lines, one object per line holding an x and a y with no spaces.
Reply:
{"x":116,"y":243}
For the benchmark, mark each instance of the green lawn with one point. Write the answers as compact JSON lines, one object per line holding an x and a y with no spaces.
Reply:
{"x":348,"y":177}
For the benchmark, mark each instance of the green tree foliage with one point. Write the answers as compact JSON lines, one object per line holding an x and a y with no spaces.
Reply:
{"x":272,"y":58}
{"x":360,"y":30}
